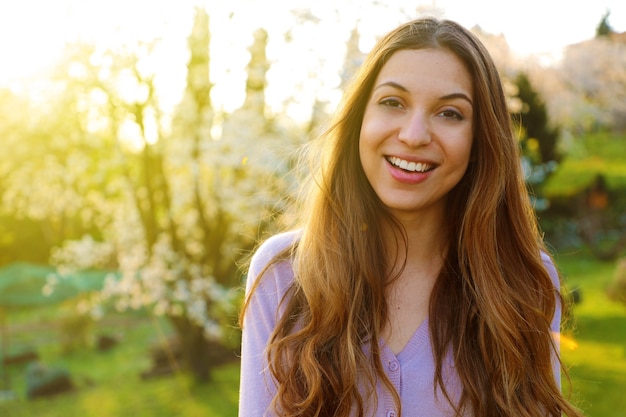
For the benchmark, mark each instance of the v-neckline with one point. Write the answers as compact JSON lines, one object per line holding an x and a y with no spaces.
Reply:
{"x":415,"y":344}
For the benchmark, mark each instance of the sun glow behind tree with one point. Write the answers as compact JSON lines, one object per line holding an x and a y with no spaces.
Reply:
{"x":306,"y":38}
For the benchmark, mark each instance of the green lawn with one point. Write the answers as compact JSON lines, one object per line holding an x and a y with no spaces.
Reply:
{"x":593,"y":154}
{"x":109,"y":384}
{"x":126,"y":396}
{"x":598,"y":363}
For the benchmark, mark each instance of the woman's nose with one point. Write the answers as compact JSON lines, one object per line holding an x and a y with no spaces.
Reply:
{"x":415,"y":130}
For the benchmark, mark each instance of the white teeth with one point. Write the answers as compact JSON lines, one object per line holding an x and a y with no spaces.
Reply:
{"x":409,"y":166}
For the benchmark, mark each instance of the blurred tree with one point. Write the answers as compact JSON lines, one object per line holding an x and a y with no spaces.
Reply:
{"x":538,"y":138}
{"x":16,"y":232}
{"x":593,"y":97}
{"x":203,"y":200}
{"x":174,"y":205}
{"x":603,"y":28}
{"x":616,"y":290}
{"x":40,"y":211}
{"x":353,"y":59}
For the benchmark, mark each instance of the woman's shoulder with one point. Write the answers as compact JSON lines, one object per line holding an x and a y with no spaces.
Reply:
{"x":267,"y":253}
{"x":548,"y":263}
{"x":273,"y":246}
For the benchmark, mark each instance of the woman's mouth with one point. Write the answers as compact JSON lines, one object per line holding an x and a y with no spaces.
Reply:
{"x":409,"y":166}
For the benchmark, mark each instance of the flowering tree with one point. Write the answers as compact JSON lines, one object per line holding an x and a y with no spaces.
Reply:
{"x":173,"y":204}
{"x":594,"y":80}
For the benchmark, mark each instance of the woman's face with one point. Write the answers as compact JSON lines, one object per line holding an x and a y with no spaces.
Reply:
{"x":417,"y":130}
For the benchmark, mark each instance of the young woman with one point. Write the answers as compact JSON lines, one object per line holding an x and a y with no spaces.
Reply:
{"x":417,"y":284}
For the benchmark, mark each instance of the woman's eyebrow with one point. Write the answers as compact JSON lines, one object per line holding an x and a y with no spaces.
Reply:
{"x":451,"y":96}
{"x":457,"y":95}
{"x":392,"y":84}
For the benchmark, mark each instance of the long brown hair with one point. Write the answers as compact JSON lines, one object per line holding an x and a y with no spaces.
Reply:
{"x":492,"y":303}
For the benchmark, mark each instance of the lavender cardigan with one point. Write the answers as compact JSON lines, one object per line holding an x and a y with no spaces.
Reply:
{"x":411,"y":371}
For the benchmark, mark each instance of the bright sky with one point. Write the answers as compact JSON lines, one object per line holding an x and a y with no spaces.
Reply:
{"x":32,"y":32}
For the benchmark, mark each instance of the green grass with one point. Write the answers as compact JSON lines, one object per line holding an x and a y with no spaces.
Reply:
{"x":599,"y":153}
{"x":125,"y":395}
{"x":109,"y":383}
{"x":598,"y":363}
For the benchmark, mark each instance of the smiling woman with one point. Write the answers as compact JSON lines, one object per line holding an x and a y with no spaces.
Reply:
{"x":417,"y":281}
{"x":421,"y":97}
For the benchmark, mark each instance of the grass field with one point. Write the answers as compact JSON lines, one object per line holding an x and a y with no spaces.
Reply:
{"x":598,"y":363}
{"x":109,"y":384}
{"x":598,"y":153}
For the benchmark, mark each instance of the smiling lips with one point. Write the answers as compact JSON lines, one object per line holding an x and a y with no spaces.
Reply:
{"x":419,"y":167}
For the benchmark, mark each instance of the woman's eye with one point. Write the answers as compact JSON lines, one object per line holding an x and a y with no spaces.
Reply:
{"x":390,"y":102}
{"x":451,"y":114}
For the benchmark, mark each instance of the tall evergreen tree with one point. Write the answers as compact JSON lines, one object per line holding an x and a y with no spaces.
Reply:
{"x":604,"y":29}
{"x":539,"y":139}
{"x":353,"y":58}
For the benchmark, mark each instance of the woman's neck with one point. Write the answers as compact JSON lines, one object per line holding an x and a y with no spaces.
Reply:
{"x":416,"y":262}
{"x":425,"y":244}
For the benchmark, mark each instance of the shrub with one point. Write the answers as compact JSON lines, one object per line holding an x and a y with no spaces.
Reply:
{"x":75,"y":331}
{"x":617,"y":289}
{"x":42,"y":381}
